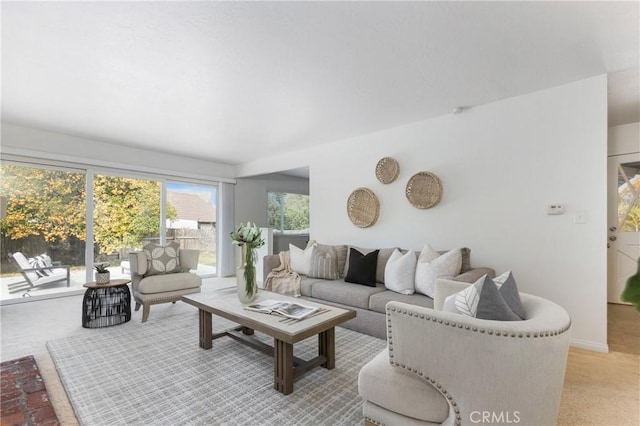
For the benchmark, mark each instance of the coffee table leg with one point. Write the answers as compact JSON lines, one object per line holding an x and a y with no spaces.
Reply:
{"x":327,"y":347}
{"x":283,"y":366}
{"x":206,"y":329}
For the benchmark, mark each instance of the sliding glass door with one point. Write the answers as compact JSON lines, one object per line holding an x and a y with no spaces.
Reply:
{"x":126,"y":215}
{"x":43,"y":230}
{"x":46,"y":222}
{"x":191,"y":220}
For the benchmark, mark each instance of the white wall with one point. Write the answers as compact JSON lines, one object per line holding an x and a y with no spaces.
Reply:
{"x":251,"y":201}
{"x":19,"y":140}
{"x":500,"y":165}
{"x":251,"y":195}
{"x":624,"y":139}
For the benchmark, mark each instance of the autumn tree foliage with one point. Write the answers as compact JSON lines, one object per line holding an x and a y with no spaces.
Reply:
{"x":51,"y":204}
{"x":46,"y":203}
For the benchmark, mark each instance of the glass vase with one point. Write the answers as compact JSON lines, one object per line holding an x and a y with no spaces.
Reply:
{"x":247,"y":291}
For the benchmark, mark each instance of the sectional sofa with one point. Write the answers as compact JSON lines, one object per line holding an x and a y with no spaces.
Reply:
{"x":368,"y":301}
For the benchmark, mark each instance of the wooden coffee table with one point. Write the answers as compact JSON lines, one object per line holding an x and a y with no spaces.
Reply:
{"x":285,"y":332}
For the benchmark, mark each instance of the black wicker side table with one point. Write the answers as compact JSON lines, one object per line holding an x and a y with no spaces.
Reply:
{"x":108,"y":304}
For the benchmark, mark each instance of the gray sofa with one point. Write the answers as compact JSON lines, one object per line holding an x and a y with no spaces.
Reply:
{"x":368,"y":302}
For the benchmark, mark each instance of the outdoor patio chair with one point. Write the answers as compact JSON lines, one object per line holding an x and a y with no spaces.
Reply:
{"x":34,"y":277}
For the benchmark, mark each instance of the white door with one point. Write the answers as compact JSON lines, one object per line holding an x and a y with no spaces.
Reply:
{"x":624,"y":222}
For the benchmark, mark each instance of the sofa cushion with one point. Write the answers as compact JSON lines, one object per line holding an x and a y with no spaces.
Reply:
{"x":324,"y":263}
{"x":432,"y":265}
{"x":162,"y":259}
{"x":400,"y":391}
{"x":307,"y":283}
{"x":400,"y":272}
{"x":481,"y":300}
{"x":378,"y":301}
{"x":169,"y":282}
{"x":362,"y":268}
{"x":301,"y":259}
{"x":339,"y":291}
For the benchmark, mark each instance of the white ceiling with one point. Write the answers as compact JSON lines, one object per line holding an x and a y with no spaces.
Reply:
{"x":237,"y":81}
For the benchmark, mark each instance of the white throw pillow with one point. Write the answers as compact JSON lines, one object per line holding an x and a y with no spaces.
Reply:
{"x":431,"y":266}
{"x":399,"y":273}
{"x":301,"y":259}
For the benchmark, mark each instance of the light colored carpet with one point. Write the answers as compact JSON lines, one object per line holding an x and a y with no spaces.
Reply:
{"x":156,"y":374}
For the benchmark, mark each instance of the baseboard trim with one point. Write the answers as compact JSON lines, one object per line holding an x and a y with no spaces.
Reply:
{"x":589,"y":345}
{"x":35,"y":298}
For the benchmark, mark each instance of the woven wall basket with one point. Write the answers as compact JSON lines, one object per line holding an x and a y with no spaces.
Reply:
{"x":387,"y":170}
{"x":424,"y":190}
{"x":363,"y":207}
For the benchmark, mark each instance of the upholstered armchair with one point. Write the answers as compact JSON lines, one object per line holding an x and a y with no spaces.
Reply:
{"x":162,"y":288}
{"x":446,"y":368}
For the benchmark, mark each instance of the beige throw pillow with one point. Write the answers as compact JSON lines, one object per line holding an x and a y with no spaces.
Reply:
{"x":431,"y":266}
{"x":324,"y":263}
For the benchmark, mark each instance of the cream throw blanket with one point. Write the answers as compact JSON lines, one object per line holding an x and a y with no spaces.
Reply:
{"x":283,"y":279}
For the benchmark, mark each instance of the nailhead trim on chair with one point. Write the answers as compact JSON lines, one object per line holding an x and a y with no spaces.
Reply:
{"x":490,"y":332}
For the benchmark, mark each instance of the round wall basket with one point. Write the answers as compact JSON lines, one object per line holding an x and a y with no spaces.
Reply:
{"x":363,"y":207}
{"x":424,"y":190}
{"x":387,"y":170}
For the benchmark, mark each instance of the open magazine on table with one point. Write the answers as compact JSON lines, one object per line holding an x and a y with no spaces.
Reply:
{"x":286,"y":309}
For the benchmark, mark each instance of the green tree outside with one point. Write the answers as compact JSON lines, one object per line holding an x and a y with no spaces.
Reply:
{"x":287,"y":212}
{"x":50,"y":204}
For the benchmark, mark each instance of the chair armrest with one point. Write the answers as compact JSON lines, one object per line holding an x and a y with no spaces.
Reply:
{"x":270,"y":262}
{"x":45,"y":267}
{"x":481,"y":365}
{"x":472,"y":275}
{"x":444,"y":288}
{"x":189,"y":259}
{"x":137,"y":263}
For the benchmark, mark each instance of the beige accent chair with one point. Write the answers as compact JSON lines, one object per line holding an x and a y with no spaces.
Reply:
{"x":165,"y":288}
{"x":446,"y":368}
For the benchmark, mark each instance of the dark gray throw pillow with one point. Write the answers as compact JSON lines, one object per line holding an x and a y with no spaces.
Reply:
{"x":362,"y":268}
{"x":492,"y":305}
{"x":480,"y":300}
{"x":507,"y":286}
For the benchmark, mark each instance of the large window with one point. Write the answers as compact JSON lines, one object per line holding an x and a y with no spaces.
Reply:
{"x":192,"y":219}
{"x":126,"y":214}
{"x":43,"y":215}
{"x":48,"y":228}
{"x":288,"y":213}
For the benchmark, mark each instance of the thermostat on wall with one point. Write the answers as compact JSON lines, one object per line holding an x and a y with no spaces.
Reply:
{"x":555,"y":209}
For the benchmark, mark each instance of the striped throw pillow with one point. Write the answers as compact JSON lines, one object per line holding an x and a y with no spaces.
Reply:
{"x":42,"y":263}
{"x":324,"y":263}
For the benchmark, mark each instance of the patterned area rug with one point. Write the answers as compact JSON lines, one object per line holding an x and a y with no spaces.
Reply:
{"x":156,"y":374}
